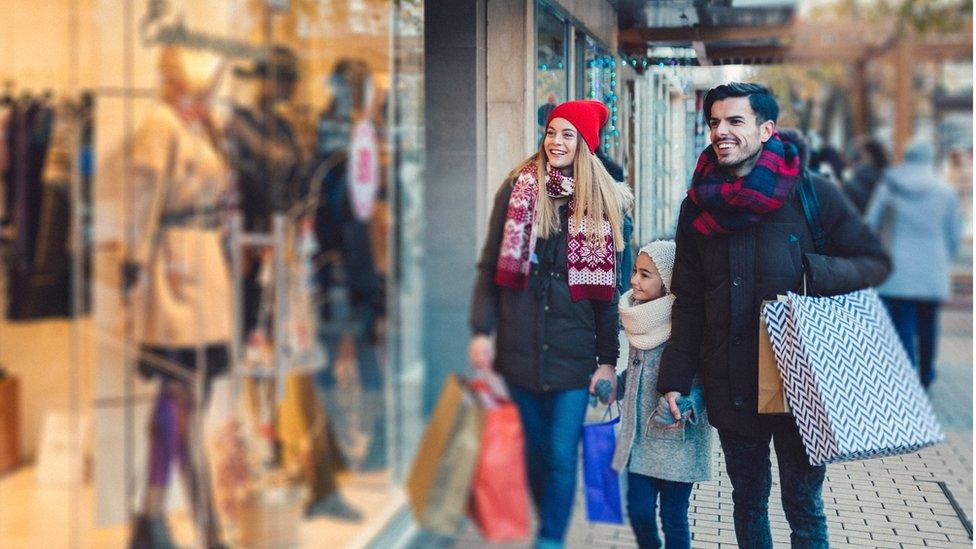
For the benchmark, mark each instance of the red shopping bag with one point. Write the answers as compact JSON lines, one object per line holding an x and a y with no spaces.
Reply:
{"x":499,"y":504}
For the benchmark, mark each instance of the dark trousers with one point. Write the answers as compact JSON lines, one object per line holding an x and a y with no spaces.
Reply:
{"x":553,"y":426}
{"x":748,"y":466}
{"x":917,"y":324}
{"x":642,"y":497}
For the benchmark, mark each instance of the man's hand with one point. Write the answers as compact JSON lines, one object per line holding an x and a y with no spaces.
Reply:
{"x":481,"y":353}
{"x":605,"y":371}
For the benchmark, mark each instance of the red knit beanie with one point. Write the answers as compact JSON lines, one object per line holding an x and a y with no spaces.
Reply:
{"x":587,"y":115}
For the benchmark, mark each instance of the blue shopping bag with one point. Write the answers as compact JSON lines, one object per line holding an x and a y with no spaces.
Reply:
{"x":602,"y":483}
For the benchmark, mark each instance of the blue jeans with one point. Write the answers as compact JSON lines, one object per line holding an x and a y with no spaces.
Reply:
{"x":917,"y":321}
{"x":747,"y":463}
{"x":642,"y":494}
{"x":553,"y":425}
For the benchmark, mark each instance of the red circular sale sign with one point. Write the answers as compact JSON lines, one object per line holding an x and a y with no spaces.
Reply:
{"x":363,"y":169}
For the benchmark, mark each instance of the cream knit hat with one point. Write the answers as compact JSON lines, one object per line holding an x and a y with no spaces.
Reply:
{"x":662,"y":253}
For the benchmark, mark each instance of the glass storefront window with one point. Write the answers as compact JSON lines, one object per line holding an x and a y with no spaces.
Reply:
{"x":552,"y":63}
{"x":598,"y":80}
{"x":212,"y":221}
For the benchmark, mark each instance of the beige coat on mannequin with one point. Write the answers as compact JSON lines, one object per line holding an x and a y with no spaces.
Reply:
{"x":184,"y":297}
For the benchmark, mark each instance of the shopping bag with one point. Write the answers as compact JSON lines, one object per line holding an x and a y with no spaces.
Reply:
{"x":772,"y":394}
{"x":848,"y":379}
{"x":440,"y":478}
{"x":227,"y":454}
{"x":499,"y":504}
{"x":602,"y":482}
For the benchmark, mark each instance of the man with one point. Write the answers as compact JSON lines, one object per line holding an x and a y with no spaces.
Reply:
{"x":742,"y":238}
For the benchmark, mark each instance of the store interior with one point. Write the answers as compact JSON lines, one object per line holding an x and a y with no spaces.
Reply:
{"x":177,"y":354}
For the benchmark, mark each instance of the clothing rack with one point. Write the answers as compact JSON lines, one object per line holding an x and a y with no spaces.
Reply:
{"x":45,"y":179}
{"x":276,"y":241}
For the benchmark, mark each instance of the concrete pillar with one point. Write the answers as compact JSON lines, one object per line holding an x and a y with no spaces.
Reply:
{"x":511,"y":83}
{"x":454,"y":105}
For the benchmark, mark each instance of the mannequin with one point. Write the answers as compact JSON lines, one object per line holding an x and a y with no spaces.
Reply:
{"x":178,"y":283}
{"x":348,"y":238}
{"x":267,"y":156}
{"x":271,"y":168}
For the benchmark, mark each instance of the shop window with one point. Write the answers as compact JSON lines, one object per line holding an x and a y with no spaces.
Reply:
{"x":552,"y":63}
{"x":598,"y":79}
{"x":210,"y":227}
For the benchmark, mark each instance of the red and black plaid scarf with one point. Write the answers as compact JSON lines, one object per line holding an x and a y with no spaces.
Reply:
{"x":591,"y":269}
{"x":721,"y":206}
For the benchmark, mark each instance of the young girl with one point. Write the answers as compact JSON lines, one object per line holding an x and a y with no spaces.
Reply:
{"x":661,"y":458}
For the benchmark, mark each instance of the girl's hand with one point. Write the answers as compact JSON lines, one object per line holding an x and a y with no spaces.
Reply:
{"x":481,"y":353}
{"x":605,"y":371}
{"x":672,"y":398}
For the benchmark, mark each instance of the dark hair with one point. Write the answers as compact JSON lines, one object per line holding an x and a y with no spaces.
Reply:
{"x":875,"y":152}
{"x":831,"y":156}
{"x":793,"y":136}
{"x":761,"y":99}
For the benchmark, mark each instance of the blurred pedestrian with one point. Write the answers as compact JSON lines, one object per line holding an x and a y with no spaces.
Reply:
{"x":545,"y":110}
{"x":829,"y":163}
{"x":661,"y":462}
{"x":742,"y":238}
{"x":872,"y":159}
{"x":546,"y":290}
{"x":917,"y":214}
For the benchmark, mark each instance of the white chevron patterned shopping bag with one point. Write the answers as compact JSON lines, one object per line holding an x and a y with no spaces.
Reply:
{"x":848,"y":379}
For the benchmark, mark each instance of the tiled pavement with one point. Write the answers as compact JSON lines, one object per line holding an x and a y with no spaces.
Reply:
{"x":892,"y":502}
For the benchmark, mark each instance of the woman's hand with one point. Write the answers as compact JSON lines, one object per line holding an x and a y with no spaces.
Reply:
{"x":481,"y":353}
{"x":605,"y":371}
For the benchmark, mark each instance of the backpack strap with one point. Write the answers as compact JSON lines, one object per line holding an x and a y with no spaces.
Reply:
{"x":811,"y":211}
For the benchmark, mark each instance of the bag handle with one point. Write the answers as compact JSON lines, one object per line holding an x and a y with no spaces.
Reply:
{"x":811,"y":212}
{"x":490,"y":389}
{"x":609,"y":411}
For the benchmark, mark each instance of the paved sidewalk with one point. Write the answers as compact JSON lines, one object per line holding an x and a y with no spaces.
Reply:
{"x":900,"y":502}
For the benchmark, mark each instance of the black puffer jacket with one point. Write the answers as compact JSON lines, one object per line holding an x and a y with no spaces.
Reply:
{"x":720,"y":282}
{"x":544,"y":341}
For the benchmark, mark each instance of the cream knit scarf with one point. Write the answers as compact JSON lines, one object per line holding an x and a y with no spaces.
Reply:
{"x":647,"y":324}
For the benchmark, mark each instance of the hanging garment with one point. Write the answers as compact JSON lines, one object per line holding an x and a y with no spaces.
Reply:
{"x":28,"y":141}
{"x":308,"y":443}
{"x":5,"y":114}
{"x":49,"y":284}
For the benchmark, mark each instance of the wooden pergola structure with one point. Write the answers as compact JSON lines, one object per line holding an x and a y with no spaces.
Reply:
{"x":722,"y":34}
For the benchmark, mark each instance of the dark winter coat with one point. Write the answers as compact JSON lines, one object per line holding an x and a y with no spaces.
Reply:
{"x":544,"y":341}
{"x":862,"y":184}
{"x":720,"y":282}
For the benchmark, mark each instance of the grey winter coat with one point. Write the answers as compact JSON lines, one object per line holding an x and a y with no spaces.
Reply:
{"x":646,"y":447}
{"x":917,"y":215}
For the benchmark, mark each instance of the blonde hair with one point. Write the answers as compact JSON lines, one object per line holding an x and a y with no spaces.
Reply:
{"x":595,"y":193}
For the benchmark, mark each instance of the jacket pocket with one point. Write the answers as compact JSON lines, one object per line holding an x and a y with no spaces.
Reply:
{"x":655,"y":430}
{"x":779,"y":251}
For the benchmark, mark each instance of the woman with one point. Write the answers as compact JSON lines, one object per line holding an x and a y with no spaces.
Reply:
{"x":546,"y":290}
{"x":917,"y":214}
